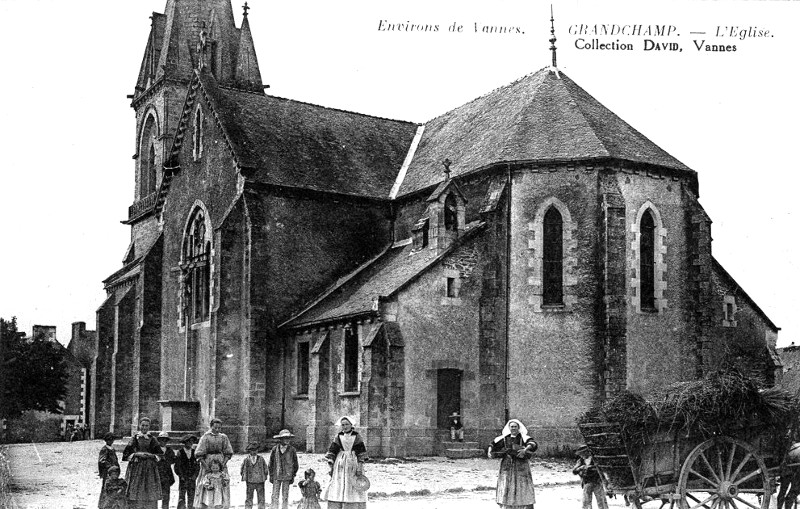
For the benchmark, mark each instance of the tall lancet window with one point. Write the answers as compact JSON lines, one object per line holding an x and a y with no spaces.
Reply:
{"x":151,"y":169}
{"x":450,"y":213}
{"x":196,"y":269}
{"x":197,"y":135}
{"x":647,"y":259}
{"x":553,"y":258}
{"x":147,"y":158}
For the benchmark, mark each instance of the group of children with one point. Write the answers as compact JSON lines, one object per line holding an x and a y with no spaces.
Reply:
{"x":281,"y":470}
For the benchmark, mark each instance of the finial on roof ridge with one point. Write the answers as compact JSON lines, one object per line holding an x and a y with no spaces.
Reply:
{"x":246,"y":8}
{"x":446,"y":163}
{"x":553,"y":37}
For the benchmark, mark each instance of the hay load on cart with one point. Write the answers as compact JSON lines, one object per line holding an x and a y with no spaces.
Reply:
{"x":715,"y":442}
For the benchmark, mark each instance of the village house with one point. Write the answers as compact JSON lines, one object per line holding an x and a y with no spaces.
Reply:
{"x":527,"y":254}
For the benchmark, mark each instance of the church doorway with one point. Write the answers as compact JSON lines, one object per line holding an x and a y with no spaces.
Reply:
{"x":448,"y":395}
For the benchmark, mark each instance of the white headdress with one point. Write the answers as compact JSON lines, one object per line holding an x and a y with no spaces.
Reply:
{"x":352,"y":421}
{"x":507,"y":431}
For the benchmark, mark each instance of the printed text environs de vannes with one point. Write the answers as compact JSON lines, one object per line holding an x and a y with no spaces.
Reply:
{"x":455,"y":27}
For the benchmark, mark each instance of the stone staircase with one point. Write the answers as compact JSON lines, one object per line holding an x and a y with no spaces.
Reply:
{"x":460,"y":450}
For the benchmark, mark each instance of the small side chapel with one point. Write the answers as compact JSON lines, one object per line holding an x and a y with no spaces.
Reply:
{"x":527,"y":254}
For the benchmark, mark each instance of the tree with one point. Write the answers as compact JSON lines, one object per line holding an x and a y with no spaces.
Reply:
{"x":34,"y":372}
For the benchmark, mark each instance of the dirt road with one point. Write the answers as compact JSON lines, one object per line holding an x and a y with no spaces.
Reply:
{"x":64,"y":475}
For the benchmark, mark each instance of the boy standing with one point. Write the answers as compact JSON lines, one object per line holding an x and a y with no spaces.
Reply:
{"x":165,"y":461}
{"x":255,"y":474}
{"x":186,"y":468}
{"x":590,"y":479}
{"x":283,"y":467}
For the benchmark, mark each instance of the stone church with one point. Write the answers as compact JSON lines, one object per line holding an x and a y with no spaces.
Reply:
{"x":527,"y":254}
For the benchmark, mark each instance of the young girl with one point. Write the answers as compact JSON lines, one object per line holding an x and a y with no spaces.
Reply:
{"x":212,"y":489}
{"x":311,"y":490}
{"x":113,"y":490}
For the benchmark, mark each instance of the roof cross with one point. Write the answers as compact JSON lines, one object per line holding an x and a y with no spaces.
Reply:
{"x":446,"y":163}
{"x":246,"y":8}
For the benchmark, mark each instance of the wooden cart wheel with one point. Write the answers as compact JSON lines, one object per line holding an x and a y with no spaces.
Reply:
{"x":724,"y":473}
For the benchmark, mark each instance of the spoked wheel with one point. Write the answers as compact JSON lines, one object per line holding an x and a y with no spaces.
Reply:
{"x":723,"y":473}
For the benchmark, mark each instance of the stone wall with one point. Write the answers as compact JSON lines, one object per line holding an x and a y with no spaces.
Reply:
{"x":742,"y":336}
{"x":553,"y":349}
{"x":661,"y":343}
{"x":100,"y":413}
{"x":210,"y":184}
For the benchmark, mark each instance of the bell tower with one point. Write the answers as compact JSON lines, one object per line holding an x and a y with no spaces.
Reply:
{"x":189,"y":35}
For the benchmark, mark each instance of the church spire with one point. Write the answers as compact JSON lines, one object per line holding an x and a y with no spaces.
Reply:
{"x":553,"y":37}
{"x":248,"y":75}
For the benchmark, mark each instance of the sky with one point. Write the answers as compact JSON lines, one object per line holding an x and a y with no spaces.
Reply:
{"x":67,"y":129}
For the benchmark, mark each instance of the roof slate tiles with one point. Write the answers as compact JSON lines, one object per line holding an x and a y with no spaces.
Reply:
{"x":291,"y":143}
{"x":540,"y":117}
{"x":381,"y":277}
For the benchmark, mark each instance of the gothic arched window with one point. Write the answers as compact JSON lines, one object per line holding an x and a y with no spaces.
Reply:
{"x":197,"y":135}
{"x":647,"y":259}
{"x":450,"y":213}
{"x":553,"y":258}
{"x":151,"y":169}
{"x":147,"y":158}
{"x":196,"y":269}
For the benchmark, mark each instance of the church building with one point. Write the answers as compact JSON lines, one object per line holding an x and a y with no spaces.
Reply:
{"x":528,"y":254}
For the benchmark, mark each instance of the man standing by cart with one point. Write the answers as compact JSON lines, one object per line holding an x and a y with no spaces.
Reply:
{"x":590,"y":479}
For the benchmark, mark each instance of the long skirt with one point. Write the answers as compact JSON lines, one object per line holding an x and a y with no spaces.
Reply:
{"x":144,"y":484}
{"x":515,"y":486}
{"x":341,"y":492}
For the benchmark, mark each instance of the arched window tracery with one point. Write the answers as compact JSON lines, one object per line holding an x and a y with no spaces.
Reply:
{"x":196,"y":269}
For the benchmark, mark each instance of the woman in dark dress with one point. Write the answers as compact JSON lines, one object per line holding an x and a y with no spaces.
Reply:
{"x":514,"y":483}
{"x":144,"y":485}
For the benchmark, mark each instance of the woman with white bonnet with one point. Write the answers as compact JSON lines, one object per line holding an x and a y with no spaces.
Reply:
{"x":514,"y":483}
{"x":346,"y":456}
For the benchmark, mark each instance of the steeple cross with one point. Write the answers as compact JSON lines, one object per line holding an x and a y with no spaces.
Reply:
{"x":246,"y":8}
{"x":552,"y":36}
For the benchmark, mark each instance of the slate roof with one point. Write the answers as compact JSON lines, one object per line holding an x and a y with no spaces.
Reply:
{"x":540,"y":117}
{"x":381,"y":277}
{"x":292,"y":143}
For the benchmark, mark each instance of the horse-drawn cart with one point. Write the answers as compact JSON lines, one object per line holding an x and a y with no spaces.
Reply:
{"x":688,"y":471}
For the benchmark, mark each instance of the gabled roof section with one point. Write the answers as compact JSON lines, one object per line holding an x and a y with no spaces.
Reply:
{"x":294,"y":144}
{"x":382,"y":277}
{"x":739,"y":291}
{"x":444,"y":186}
{"x":542,"y":117}
{"x":132,"y":268}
